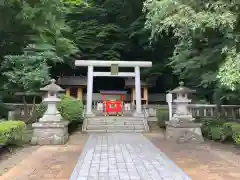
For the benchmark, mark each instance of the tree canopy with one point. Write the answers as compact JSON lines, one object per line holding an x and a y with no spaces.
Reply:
{"x":207,"y":38}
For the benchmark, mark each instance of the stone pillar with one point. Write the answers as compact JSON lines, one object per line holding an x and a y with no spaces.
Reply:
{"x":138,"y":92}
{"x":89,"y":112}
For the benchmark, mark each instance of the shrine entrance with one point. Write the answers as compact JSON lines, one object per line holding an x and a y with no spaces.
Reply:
{"x":108,"y":83}
{"x":114,"y":73}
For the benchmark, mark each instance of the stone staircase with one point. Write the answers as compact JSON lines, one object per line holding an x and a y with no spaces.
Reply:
{"x":115,"y":124}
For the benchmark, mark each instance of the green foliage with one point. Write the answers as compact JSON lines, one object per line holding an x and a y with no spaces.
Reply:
{"x":47,"y":18}
{"x":95,"y":38}
{"x":216,"y":132}
{"x":11,"y":131}
{"x":221,"y":130}
{"x":229,"y":74}
{"x":208,"y":123}
{"x":162,"y":117}
{"x":27,"y":72}
{"x":236,"y":134}
{"x":71,"y":109}
{"x":43,"y":40}
{"x":227,"y":131}
{"x":236,"y":138}
{"x":40,"y":109}
{"x":207,"y":38}
{"x":73,"y":2}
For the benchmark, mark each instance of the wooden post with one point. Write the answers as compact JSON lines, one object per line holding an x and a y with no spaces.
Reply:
{"x":80,"y":94}
{"x":67,"y":91}
{"x":145,"y":94}
{"x":133,"y":95}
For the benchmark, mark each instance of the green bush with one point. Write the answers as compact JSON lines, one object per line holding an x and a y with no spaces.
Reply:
{"x":227,"y":131}
{"x":11,"y":131}
{"x":216,"y":132}
{"x":70,"y":109}
{"x":162,"y":116}
{"x":207,"y":123}
{"x":236,"y":133}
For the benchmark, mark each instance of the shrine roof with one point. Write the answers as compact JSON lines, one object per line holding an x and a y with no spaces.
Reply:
{"x":112,"y":92}
{"x":130,"y":82}
{"x":72,"y":81}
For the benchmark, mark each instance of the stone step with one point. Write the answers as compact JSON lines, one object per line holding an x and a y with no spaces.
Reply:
{"x":116,"y":119}
{"x":114,"y":123}
{"x":133,"y":121}
{"x":115,"y":131}
{"x":115,"y":127}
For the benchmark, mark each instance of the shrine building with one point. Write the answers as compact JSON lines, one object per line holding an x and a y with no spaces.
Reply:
{"x":75,"y":86}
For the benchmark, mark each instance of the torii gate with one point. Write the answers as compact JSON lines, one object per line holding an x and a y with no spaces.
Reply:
{"x":100,"y":63}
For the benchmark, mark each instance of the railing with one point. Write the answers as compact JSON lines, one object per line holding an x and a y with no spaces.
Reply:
{"x":197,"y":110}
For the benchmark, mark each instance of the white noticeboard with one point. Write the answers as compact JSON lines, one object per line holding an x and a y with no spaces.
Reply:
{"x":169,"y":97}
{"x":169,"y":101}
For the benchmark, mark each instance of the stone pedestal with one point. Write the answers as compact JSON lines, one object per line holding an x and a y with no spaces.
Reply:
{"x":184,"y":132}
{"x":50,"y":133}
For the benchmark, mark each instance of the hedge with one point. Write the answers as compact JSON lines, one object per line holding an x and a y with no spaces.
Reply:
{"x":162,"y":116}
{"x":71,"y":109}
{"x":227,"y":131}
{"x":11,"y":131}
{"x":216,"y":129}
{"x":212,"y":128}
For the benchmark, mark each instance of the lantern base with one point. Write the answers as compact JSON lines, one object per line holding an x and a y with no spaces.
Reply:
{"x":45,"y":133}
{"x":187,"y":132}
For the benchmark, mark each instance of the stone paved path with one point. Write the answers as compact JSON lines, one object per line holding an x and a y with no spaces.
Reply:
{"x":124,"y":157}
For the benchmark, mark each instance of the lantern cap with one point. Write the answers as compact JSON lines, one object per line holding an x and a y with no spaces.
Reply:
{"x":182,"y":89}
{"x":52,"y":87}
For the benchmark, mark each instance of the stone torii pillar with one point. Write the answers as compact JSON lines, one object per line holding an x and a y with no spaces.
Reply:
{"x":89,"y":112}
{"x":138,"y":92}
{"x":99,"y":63}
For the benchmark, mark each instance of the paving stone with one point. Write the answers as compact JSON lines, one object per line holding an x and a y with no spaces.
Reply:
{"x":119,"y":156}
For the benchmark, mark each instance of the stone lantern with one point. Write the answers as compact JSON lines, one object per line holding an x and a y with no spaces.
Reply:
{"x":182,"y":127}
{"x":51,"y":128}
{"x":182,"y":113}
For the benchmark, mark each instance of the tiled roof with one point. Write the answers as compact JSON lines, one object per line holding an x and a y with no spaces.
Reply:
{"x":112,"y":92}
{"x":72,"y":81}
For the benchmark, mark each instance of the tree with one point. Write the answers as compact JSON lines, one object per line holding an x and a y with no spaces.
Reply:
{"x":47,"y":41}
{"x":207,"y":34}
